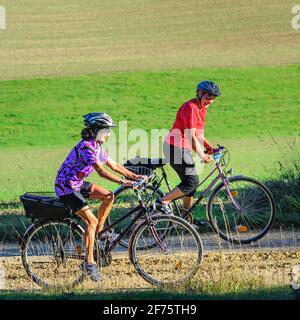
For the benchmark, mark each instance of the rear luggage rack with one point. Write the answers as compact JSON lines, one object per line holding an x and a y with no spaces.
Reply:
{"x":41,"y":205}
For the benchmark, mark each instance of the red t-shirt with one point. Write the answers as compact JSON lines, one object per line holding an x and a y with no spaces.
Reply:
{"x":188,"y":116}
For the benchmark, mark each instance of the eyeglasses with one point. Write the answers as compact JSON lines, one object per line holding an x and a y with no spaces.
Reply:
{"x":104,"y":131}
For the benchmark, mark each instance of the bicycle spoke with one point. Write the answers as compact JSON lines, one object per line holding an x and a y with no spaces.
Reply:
{"x":174,"y":263}
{"x":50,"y":256}
{"x":254,"y":219}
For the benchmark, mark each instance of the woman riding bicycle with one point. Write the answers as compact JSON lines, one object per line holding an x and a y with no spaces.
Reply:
{"x":187,"y":135}
{"x":88,"y":155}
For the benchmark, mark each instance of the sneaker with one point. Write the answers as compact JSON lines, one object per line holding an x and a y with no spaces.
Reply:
{"x":165,"y":208}
{"x":108,"y":235}
{"x":199,"y":222}
{"x":91,"y":270}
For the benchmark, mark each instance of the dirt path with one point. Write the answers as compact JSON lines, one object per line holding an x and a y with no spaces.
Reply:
{"x":253,"y":268}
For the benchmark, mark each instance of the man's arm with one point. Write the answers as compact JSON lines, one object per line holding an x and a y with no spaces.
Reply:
{"x":196,"y":144}
{"x":208,"y":146}
{"x":204,"y":142}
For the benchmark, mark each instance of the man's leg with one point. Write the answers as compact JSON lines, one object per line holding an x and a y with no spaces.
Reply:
{"x":174,"y":194}
{"x":187,"y":202}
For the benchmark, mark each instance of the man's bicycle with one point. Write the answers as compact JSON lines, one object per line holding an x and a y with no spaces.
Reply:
{"x":165,"y":250}
{"x":239,"y":209}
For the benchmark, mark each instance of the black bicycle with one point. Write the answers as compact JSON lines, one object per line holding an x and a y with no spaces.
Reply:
{"x":239,"y":209}
{"x":165,"y":250}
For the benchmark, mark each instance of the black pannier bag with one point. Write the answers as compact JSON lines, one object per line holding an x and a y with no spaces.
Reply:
{"x":41,"y":206}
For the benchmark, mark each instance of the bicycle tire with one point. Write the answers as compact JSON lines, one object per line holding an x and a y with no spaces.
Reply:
{"x":237,"y":228}
{"x":34,"y":256}
{"x":172,"y":267}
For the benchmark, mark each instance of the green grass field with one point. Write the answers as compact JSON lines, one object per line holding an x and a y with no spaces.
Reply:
{"x":41,"y":119}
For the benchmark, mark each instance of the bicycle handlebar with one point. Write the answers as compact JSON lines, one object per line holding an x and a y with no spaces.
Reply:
{"x":142,"y":181}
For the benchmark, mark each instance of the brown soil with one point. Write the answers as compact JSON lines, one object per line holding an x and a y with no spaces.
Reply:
{"x":219,"y":271}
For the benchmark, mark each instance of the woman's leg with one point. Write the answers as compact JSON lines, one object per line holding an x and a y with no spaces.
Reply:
{"x":91,"y":224}
{"x":107,"y":197}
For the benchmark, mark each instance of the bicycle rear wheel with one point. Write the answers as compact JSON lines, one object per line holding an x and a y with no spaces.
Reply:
{"x":252,"y":221}
{"x":52,"y":251}
{"x":176,"y":256}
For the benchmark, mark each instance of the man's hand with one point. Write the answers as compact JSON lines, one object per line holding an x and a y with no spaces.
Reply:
{"x":207,"y":158}
{"x":210,"y":149}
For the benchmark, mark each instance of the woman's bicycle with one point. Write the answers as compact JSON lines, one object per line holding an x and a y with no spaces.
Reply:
{"x":239,"y":209}
{"x":165,"y":250}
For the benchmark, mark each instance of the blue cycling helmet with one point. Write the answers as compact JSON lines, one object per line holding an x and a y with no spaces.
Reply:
{"x":208,"y":86}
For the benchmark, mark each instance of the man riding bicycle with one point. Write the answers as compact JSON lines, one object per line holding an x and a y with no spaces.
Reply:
{"x":187,"y":135}
{"x":88,"y":155}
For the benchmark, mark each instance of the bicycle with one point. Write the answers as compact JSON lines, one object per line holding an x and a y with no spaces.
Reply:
{"x":166,"y":251}
{"x":239,"y":209}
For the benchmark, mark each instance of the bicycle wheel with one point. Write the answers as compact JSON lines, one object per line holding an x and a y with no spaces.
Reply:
{"x":51,"y":253}
{"x":126,"y":199}
{"x":252,"y":220}
{"x":174,"y":259}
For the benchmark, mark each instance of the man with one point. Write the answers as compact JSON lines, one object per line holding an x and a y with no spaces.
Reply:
{"x":187,"y":135}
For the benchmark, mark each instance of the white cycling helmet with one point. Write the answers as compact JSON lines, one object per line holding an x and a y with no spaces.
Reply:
{"x":98,"y":120}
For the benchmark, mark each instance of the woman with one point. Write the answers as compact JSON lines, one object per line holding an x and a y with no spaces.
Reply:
{"x":88,"y":155}
{"x":187,"y":135}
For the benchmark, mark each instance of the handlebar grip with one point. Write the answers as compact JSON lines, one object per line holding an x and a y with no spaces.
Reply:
{"x":141,"y":181}
{"x":217,"y":156}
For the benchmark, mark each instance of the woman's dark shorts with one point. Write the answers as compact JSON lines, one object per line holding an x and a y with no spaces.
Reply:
{"x":76,"y":200}
{"x":181,"y":160}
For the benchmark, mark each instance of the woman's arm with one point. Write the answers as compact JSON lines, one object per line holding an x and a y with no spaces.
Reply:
{"x":107,"y":175}
{"x":113,"y":165}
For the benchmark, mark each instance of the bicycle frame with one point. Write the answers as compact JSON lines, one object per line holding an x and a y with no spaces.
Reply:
{"x":140,"y":212}
{"x":203,"y":194}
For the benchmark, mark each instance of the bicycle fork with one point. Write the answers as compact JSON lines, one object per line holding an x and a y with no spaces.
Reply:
{"x":151,"y":225}
{"x":226,"y":184}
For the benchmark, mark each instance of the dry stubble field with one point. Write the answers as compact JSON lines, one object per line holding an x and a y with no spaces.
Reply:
{"x":220,"y":272}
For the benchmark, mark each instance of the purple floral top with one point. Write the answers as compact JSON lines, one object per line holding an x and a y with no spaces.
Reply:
{"x":78,"y":165}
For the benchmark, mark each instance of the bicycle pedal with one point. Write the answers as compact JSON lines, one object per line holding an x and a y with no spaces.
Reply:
{"x":199,"y":223}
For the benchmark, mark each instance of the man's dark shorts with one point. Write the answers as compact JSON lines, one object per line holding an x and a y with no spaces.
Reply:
{"x":181,"y":160}
{"x":76,"y":200}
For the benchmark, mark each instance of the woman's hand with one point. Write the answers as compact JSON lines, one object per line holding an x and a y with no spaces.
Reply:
{"x":138,"y":177}
{"x":125,"y":182}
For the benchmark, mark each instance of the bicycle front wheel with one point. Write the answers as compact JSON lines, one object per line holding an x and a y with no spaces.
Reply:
{"x":125,"y":200}
{"x":246,"y":219}
{"x":52,"y":252}
{"x":167,"y":252}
